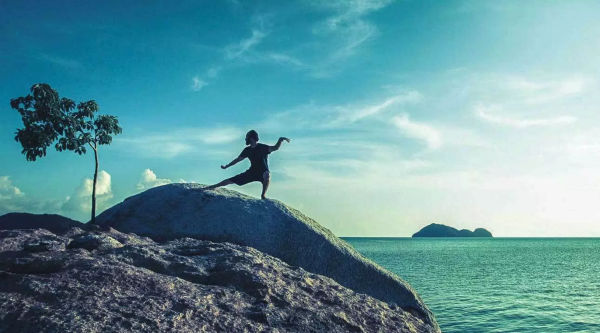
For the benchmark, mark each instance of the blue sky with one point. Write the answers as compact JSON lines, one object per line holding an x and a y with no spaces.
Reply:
{"x":401,"y":113}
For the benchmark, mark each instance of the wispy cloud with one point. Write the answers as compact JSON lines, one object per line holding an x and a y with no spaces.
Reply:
{"x":284,"y":59}
{"x":332,"y":40}
{"x":485,"y":113}
{"x":61,"y":61}
{"x":344,"y":31}
{"x":348,"y":19}
{"x":365,"y":120}
{"x":419,"y":131}
{"x":543,"y":91}
{"x":238,"y":49}
{"x":172,"y":143}
{"x":197,"y":84}
{"x":353,"y":114}
{"x":525,"y":90}
{"x":317,"y":116}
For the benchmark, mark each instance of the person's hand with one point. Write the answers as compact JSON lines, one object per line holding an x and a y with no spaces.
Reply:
{"x":223,"y":167}
{"x":284,"y":139}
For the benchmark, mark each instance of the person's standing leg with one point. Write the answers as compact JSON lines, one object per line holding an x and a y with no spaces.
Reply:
{"x":265,"y":183}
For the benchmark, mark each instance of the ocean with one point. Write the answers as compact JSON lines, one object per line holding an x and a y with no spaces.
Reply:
{"x":498,"y":284}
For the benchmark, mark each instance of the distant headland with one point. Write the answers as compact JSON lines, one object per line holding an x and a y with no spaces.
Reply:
{"x":440,"y":230}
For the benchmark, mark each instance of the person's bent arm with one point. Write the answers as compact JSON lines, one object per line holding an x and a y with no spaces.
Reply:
{"x":278,"y":144}
{"x":237,"y":159}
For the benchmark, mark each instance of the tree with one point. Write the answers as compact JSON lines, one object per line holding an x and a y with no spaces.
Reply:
{"x":49,"y":119}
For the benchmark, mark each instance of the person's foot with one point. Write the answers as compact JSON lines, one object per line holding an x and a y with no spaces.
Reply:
{"x":263,"y":197}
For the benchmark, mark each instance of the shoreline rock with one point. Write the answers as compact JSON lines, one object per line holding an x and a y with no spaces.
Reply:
{"x":108,"y":281}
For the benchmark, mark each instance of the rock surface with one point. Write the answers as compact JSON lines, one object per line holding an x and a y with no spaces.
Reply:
{"x":51,"y":222}
{"x":107,"y":281}
{"x":186,"y":210}
{"x":440,"y":230}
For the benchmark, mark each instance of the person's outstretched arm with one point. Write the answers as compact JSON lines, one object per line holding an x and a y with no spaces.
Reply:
{"x":235,"y":160}
{"x":278,"y":144}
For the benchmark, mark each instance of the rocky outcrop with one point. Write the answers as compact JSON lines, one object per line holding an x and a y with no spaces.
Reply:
{"x":186,"y":210}
{"x":440,"y":230}
{"x":51,"y":222}
{"x":107,"y":281}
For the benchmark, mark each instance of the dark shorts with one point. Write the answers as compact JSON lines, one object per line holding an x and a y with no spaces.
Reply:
{"x":247,"y":177}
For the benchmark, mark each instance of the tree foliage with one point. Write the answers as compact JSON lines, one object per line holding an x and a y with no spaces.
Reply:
{"x":49,"y":119}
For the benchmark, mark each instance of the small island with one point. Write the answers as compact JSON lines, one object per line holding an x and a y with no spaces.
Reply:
{"x":440,"y":230}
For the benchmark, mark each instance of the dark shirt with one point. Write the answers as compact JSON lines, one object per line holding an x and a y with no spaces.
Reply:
{"x":257,"y":156}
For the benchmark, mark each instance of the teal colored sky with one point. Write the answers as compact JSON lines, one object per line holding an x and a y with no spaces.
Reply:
{"x":401,"y":113}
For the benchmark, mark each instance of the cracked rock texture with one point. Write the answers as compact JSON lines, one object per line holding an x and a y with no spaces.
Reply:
{"x":108,"y":281}
{"x":187,"y":210}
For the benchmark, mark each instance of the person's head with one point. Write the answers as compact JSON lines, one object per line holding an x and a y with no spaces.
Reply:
{"x":251,"y":137}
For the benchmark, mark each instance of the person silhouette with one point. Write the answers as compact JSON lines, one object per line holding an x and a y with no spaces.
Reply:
{"x":258,"y":154}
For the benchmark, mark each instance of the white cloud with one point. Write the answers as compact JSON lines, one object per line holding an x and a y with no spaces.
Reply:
{"x":485,"y":113}
{"x":8,"y":190}
{"x":81,"y":200}
{"x":237,"y":50}
{"x":11,"y":197}
{"x":198,"y":84}
{"x":148,"y":180}
{"x":419,"y":131}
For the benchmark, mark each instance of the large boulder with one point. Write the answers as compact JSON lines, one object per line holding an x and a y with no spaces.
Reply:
{"x":107,"y":281}
{"x":186,"y":210}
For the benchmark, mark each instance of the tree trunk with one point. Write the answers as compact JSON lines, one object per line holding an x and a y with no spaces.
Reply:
{"x":94,"y":186}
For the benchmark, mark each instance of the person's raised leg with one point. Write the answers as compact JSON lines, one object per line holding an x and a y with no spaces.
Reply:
{"x":265,"y":183}
{"x":222,"y":183}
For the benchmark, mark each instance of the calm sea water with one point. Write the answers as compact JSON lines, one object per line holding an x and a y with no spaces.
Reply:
{"x":498,"y":284}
